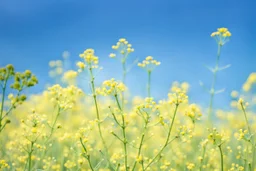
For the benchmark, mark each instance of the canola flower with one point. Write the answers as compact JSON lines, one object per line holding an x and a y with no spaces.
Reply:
{"x":65,"y":128}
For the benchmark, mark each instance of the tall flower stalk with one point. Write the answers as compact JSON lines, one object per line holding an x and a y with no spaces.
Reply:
{"x":91,"y":61}
{"x":221,"y":36}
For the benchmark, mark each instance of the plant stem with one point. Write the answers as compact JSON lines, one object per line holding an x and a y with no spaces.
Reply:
{"x":87,"y":155}
{"x":97,"y":112}
{"x":124,"y":78}
{"x":167,"y":139}
{"x":201,"y":164}
{"x":123,"y":132}
{"x":246,"y":119}
{"x":149,"y":82}
{"x":141,"y":141}
{"x":54,"y":123}
{"x":221,"y":158}
{"x":212,"y":91}
{"x":30,"y":155}
{"x":251,"y":140}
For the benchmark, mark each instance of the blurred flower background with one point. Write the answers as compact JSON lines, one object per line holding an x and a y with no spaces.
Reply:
{"x":126,"y":86}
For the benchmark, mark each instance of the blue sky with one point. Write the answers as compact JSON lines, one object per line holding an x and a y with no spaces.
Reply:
{"x":176,"y":32}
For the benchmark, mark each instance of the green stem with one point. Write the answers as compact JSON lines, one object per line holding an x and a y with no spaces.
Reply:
{"x":30,"y":156}
{"x":124,"y":133}
{"x":246,"y":119}
{"x":53,"y":125}
{"x":212,"y":91}
{"x":141,"y":141}
{"x":97,"y":113}
{"x":251,"y":140}
{"x":124,"y":78}
{"x":221,"y":158}
{"x":201,"y":164}
{"x":167,"y":139}
{"x":87,"y":156}
{"x":149,"y":82}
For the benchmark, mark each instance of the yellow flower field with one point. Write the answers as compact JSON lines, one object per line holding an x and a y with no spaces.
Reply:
{"x":108,"y":129}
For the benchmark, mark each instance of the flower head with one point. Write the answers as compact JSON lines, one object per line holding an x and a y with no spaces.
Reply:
{"x":177,"y":95}
{"x":90,"y":59}
{"x":123,"y":48}
{"x":111,"y":87}
{"x":149,"y":63}
{"x":221,"y":35}
{"x":193,"y":113}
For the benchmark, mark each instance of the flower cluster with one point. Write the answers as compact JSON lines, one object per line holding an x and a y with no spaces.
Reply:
{"x":24,"y":80}
{"x":111,"y":87}
{"x":243,"y":135}
{"x":193,"y":112}
{"x":221,"y":36}
{"x":149,"y":64}
{"x":6,"y":72}
{"x":4,"y":164}
{"x":123,"y":47}
{"x":89,"y":58}
{"x":64,"y":98}
{"x":215,"y":137}
{"x":149,"y":104}
{"x":184,"y":133}
{"x":33,"y":126}
{"x":177,"y":96}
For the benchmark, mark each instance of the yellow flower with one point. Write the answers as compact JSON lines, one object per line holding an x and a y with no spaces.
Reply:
{"x":221,"y":35}
{"x":149,"y":63}
{"x":34,"y":130}
{"x":80,"y":65}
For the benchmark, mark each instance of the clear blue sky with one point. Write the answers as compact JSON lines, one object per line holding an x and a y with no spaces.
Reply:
{"x":176,"y":32}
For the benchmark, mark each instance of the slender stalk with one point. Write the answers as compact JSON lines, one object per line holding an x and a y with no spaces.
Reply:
{"x":97,"y":112}
{"x":141,"y":141}
{"x":212,"y":91}
{"x":149,"y":83}
{"x":54,"y":123}
{"x":251,"y":140}
{"x":118,"y":166}
{"x":87,"y":156}
{"x":30,"y":156}
{"x":246,"y":119}
{"x":221,"y":158}
{"x":123,"y":79}
{"x":201,"y":164}
{"x":124,"y":133}
{"x":167,"y":139}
